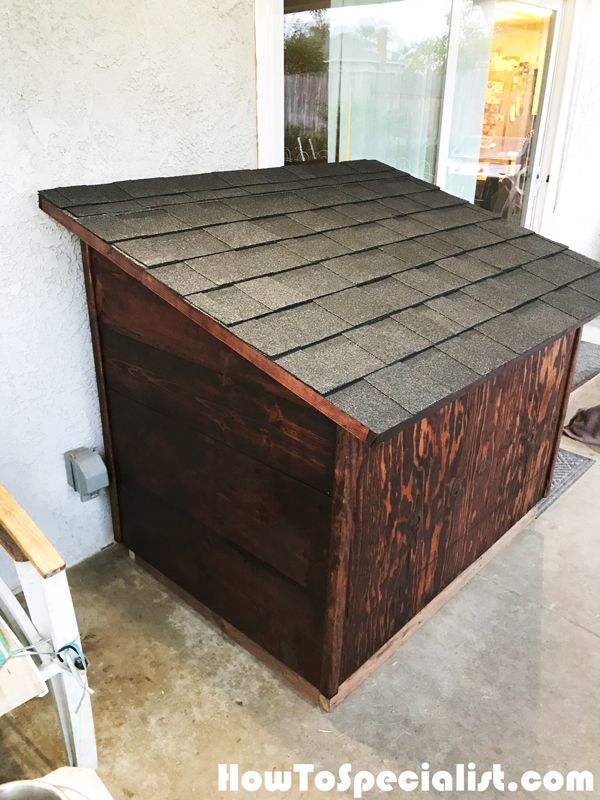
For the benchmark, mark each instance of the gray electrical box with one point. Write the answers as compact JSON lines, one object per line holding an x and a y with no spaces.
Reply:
{"x":86,"y":472}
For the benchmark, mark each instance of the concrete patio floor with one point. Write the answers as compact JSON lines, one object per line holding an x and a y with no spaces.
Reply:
{"x":508,"y":671}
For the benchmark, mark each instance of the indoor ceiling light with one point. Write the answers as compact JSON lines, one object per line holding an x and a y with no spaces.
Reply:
{"x":513,"y":10}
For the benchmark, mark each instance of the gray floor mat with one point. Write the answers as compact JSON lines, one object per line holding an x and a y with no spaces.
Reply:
{"x":569,"y":467}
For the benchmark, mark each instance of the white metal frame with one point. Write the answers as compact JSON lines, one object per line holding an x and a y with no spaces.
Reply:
{"x":554,"y":67}
{"x":52,"y":618}
{"x":560,"y":84}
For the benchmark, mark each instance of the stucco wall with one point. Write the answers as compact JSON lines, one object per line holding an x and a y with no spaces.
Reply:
{"x":575,"y":216}
{"x":94,"y":92}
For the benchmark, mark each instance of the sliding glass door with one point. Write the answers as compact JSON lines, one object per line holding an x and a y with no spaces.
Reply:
{"x":448,"y":90}
{"x":366,"y":80}
{"x":503,"y":58}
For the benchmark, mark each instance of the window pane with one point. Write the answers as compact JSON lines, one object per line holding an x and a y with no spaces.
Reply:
{"x":365,"y":80}
{"x":500,"y":78}
{"x":306,"y":54}
{"x":477,"y":27}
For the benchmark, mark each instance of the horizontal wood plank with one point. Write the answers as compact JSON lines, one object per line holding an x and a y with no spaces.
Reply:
{"x":164,"y":360}
{"x":275,"y":518}
{"x":271,"y":610}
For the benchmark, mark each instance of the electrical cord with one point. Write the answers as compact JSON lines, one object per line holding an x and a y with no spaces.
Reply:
{"x":70,"y":657}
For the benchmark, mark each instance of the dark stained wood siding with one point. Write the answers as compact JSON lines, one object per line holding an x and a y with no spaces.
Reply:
{"x":235,"y":402}
{"x":433,"y":498}
{"x":272,"y":611}
{"x":314,"y":544}
{"x":224,"y":477}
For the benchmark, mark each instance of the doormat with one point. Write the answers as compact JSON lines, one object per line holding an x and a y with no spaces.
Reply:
{"x":569,"y":468}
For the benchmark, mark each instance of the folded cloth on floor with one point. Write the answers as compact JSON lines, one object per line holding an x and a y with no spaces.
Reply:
{"x":585,"y":426}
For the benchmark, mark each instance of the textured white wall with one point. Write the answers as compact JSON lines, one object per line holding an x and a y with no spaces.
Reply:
{"x":93,"y":92}
{"x":575,"y":218}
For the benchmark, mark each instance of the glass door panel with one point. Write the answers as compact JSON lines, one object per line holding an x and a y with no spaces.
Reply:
{"x":365,"y":80}
{"x":468,"y":93}
{"x":445,"y":89}
{"x":490,"y":163}
{"x":306,"y":87}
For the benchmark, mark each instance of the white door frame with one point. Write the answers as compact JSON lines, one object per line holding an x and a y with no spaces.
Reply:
{"x":270,"y":109}
{"x":555,"y":136}
{"x":553,"y":87}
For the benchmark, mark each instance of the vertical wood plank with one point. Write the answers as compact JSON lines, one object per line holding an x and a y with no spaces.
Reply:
{"x":101,"y":384}
{"x":563,"y":409}
{"x":348,"y":462}
{"x":435,"y":497}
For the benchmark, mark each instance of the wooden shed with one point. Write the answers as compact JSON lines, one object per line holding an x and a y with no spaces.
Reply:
{"x":326,"y":390}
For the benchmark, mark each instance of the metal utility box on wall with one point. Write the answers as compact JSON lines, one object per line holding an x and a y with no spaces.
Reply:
{"x":314,"y":423}
{"x":86,"y":472}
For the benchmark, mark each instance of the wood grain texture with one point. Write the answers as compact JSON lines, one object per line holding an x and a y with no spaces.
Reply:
{"x":161,"y":358}
{"x":280,"y":521}
{"x":390,"y":647}
{"x":22,"y":538}
{"x":343,"y":507}
{"x":224,"y":476}
{"x":563,"y":412}
{"x":86,"y":254}
{"x":431,"y":500}
{"x":265,"y":606}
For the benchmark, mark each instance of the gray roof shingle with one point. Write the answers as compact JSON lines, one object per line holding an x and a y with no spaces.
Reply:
{"x":374,"y":288}
{"x":509,"y":289}
{"x":412,"y":389}
{"x":330,"y":364}
{"x":362,"y":400}
{"x":290,"y":329}
{"x":428,"y":323}
{"x":431,"y":280}
{"x":589,"y":286}
{"x":365,"y":266}
{"x":154,"y":250}
{"x":228,"y":305}
{"x":461,"y":308}
{"x":388,"y":340}
{"x":527,"y":326}
{"x":295,"y":286}
{"x":371,"y":300}
{"x":477,"y":351}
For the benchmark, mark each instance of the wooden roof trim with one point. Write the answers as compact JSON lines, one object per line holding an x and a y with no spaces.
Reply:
{"x":293,"y":6}
{"x":263,"y":362}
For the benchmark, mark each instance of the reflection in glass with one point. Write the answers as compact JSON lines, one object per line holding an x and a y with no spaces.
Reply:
{"x":306,"y":53}
{"x":473,"y":63}
{"x":366,"y":81}
{"x":500,"y":78}
{"x":512,"y":105}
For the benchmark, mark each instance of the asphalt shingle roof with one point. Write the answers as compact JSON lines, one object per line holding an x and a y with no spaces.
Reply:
{"x":372,"y":287}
